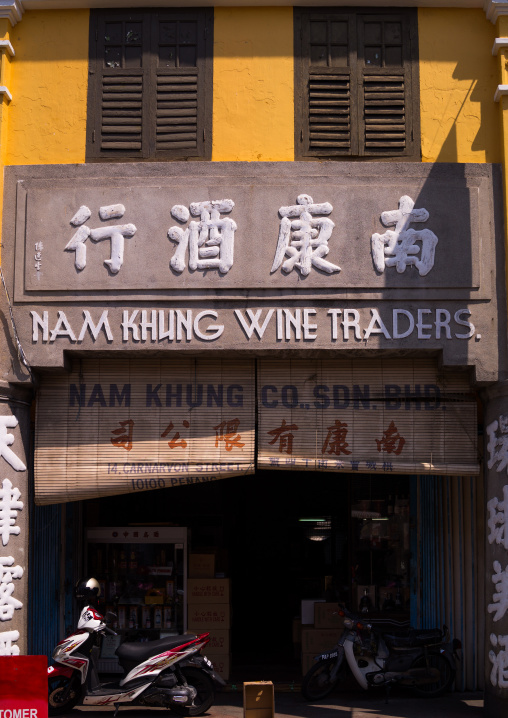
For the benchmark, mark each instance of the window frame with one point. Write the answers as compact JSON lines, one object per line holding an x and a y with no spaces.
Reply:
{"x":150,"y":71}
{"x":302,"y":75}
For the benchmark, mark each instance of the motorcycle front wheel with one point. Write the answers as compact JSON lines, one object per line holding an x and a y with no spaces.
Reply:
{"x":205,"y":693}
{"x":56,"y":686}
{"x":318,"y":682}
{"x":446,"y":675}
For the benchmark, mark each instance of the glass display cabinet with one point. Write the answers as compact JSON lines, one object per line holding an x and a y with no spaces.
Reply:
{"x":142,"y":571}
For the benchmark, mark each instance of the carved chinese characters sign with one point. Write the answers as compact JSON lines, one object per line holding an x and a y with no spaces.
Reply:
{"x":275,"y":233}
{"x":10,"y":506}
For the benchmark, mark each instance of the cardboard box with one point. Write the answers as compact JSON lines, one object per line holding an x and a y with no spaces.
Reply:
{"x":318,"y":640}
{"x":220,"y":641}
{"x":208,"y":590}
{"x":206,"y":617}
{"x":258,"y":699}
{"x":201,"y":565}
{"x":326,"y":615}
{"x":221,"y":663}
{"x":307,"y":612}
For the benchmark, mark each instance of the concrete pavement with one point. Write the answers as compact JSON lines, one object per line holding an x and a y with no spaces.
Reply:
{"x":339,"y":705}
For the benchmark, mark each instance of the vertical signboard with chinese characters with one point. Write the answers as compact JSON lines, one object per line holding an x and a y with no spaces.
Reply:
{"x":13,"y":530}
{"x":376,"y":417}
{"x":496,"y":564}
{"x":115,"y":427}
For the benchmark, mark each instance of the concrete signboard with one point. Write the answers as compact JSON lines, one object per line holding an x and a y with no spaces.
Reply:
{"x":206,"y":257}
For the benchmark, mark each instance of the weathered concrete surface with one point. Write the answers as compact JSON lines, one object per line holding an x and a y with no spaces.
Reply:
{"x":339,"y":705}
{"x":60,"y":308}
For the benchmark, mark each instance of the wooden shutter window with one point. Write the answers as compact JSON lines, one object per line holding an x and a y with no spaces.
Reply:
{"x":150,"y":74}
{"x":119,"y":76}
{"x":180,"y":53}
{"x":354,"y":74}
{"x":384,"y":60}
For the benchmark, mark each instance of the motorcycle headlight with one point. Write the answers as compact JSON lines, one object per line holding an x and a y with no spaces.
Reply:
{"x":348,"y":623}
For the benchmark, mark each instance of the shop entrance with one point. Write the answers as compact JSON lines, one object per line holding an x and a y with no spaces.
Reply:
{"x":283,"y":538}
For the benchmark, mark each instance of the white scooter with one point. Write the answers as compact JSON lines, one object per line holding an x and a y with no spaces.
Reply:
{"x":168,"y":673}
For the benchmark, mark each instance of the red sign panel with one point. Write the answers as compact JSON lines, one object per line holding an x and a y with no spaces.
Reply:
{"x":23,"y":686}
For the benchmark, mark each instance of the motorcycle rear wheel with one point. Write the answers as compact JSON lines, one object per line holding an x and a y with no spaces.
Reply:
{"x":446,"y":675}
{"x":318,"y":683}
{"x":56,"y":686}
{"x":205,"y":696}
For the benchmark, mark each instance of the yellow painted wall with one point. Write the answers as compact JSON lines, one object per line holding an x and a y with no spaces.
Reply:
{"x":458,"y":79}
{"x":253,"y":115}
{"x":47,"y":115}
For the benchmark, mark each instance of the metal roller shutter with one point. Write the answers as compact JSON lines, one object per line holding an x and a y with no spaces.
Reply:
{"x":450,"y":549}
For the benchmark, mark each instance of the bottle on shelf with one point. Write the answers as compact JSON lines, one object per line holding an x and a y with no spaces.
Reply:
{"x":146,"y":617}
{"x":157,"y":617}
{"x":398,"y":600}
{"x":365,"y":602}
{"x":133,"y":617}
{"x":168,"y":616}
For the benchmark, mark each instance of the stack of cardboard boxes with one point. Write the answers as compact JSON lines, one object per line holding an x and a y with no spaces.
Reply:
{"x":209,"y":610}
{"x":322,"y":635}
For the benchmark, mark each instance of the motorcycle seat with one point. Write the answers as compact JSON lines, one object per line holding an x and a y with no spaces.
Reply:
{"x":422,"y":637}
{"x":139,"y":652}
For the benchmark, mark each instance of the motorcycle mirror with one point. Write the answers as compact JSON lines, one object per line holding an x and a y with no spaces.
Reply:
{"x":110,"y":617}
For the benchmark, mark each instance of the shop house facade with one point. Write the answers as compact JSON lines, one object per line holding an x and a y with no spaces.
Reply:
{"x":254,"y":322}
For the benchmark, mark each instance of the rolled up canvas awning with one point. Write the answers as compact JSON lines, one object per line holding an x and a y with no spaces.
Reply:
{"x":126,"y":425}
{"x":121,"y":426}
{"x":381,"y":416}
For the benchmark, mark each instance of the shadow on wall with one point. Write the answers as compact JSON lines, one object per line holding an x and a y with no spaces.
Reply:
{"x":458,"y":79}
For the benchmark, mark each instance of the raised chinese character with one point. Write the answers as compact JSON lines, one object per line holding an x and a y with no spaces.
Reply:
{"x":227,"y":432}
{"x":116,"y":233}
{"x":8,"y":604}
{"x":123,"y":436}
{"x":498,"y":519}
{"x":497,"y":446}
{"x":6,"y":440}
{"x":283,"y":434}
{"x":335,"y":442}
{"x":499,"y":672}
{"x":500,"y":597}
{"x":399,"y":248}
{"x":9,"y":506}
{"x":387,"y":466}
{"x":304,"y":240}
{"x":210,"y":242}
{"x":6,"y":640}
{"x":371,"y":465}
{"x":391,"y":442}
{"x":175,"y":442}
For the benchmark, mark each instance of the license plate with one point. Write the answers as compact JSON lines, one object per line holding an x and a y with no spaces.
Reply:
{"x":208,"y":663}
{"x":326,"y":656}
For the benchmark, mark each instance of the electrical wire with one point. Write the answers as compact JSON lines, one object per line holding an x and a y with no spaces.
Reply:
{"x":21,"y":353}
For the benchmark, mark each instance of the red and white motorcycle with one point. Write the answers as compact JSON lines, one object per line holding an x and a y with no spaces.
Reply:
{"x":168,"y":673}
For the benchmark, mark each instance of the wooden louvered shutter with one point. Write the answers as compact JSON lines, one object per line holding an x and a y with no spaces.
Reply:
{"x":119,"y":86}
{"x":150,"y":84}
{"x":384,"y":92}
{"x":356,"y":80}
{"x":328,"y":110}
{"x":179,"y":53}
